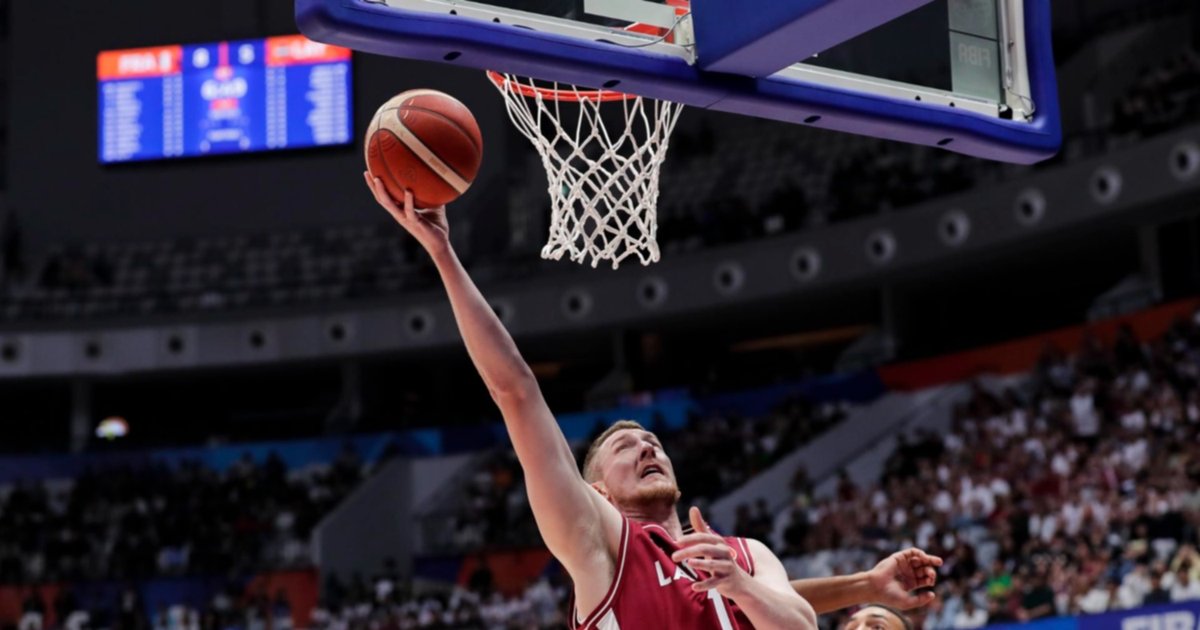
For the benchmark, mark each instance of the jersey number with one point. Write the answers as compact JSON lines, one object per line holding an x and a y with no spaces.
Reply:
{"x":722,"y":612}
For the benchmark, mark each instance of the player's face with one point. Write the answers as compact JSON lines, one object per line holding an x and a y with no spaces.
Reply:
{"x":635,"y":470}
{"x":874,"y":618}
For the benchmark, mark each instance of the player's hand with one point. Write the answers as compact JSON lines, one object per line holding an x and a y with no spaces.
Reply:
{"x":428,"y":225}
{"x":712,"y":558}
{"x":896,"y":579}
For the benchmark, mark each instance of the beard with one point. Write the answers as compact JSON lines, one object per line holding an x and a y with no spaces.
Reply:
{"x":662,"y":493}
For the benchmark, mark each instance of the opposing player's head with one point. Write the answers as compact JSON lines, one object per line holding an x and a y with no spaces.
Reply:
{"x":626,"y":463}
{"x":878,"y":617}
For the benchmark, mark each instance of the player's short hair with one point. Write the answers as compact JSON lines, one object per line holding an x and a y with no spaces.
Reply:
{"x":590,"y":474}
{"x":908,"y":624}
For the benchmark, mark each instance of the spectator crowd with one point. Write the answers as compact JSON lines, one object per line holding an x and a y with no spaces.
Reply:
{"x":1077,"y":491}
{"x":494,"y":512}
{"x":748,"y":182}
{"x":387,"y":601}
{"x":1164,"y":96}
{"x":159,"y":520}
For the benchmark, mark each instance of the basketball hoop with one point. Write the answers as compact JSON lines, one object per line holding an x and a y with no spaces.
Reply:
{"x":603,"y":185}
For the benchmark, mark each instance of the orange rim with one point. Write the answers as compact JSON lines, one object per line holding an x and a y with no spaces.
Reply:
{"x":572,"y":96}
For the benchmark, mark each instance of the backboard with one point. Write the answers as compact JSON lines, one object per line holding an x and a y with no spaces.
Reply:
{"x":982,"y":83}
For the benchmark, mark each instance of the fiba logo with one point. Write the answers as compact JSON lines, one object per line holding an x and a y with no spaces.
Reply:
{"x":140,"y":63}
{"x":975,"y":55}
{"x":212,"y":89}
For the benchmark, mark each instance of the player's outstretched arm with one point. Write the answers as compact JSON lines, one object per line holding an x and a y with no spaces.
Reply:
{"x":902,"y":580}
{"x":577,"y":525}
{"x":581,"y":529}
{"x":766,"y":597}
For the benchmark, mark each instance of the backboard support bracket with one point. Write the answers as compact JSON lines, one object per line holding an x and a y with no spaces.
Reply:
{"x":660,"y":15}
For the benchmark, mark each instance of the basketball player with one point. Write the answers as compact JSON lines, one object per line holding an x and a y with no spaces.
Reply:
{"x":878,"y":617}
{"x":615,"y":528}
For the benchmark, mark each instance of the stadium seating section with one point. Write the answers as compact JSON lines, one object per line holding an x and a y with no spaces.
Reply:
{"x":747,"y":181}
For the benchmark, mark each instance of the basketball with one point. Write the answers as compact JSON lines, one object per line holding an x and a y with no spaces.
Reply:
{"x":425,"y":141}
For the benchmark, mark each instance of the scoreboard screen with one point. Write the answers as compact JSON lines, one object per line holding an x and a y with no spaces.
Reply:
{"x":225,"y":97}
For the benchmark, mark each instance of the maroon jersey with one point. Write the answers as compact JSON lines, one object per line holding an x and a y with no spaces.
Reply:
{"x":650,"y":591}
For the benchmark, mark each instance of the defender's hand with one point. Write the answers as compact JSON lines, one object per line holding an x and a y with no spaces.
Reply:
{"x":428,"y":226}
{"x":896,"y":579}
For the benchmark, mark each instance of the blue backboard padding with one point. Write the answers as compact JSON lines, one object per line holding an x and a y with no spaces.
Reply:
{"x":486,"y":45}
{"x":774,"y":35}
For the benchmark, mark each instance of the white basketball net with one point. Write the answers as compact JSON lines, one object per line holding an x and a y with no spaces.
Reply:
{"x":603,"y":185}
